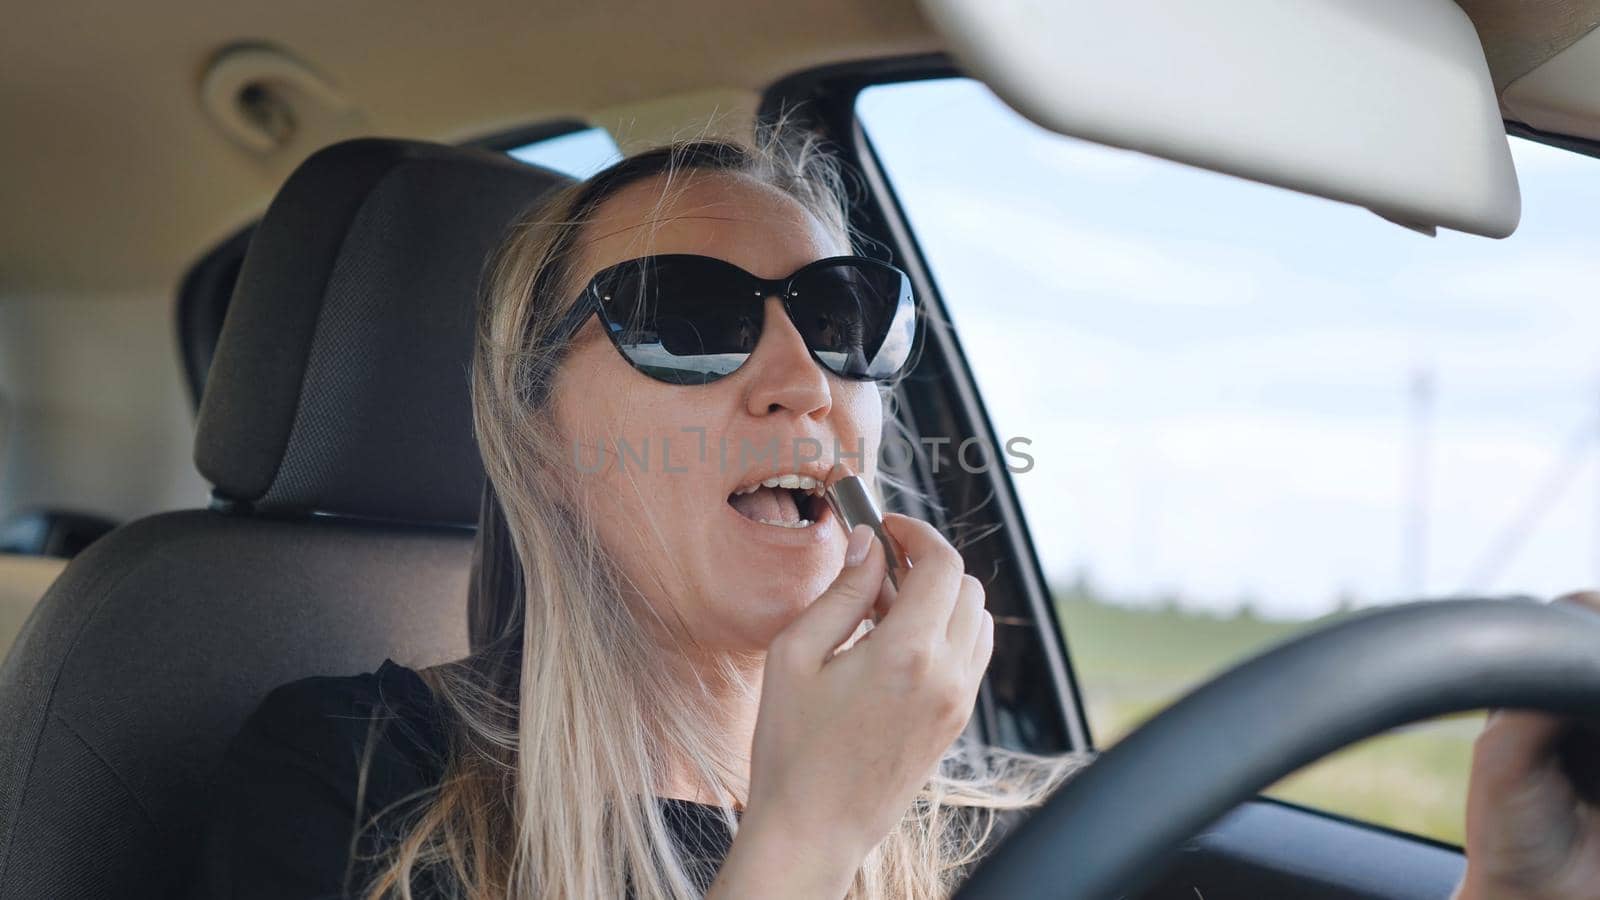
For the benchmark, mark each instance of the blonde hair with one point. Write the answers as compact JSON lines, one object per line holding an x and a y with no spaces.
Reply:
{"x":560,"y":724}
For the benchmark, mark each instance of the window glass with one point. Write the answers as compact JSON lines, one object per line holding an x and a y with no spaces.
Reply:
{"x":1251,"y":410}
{"x":579,"y":154}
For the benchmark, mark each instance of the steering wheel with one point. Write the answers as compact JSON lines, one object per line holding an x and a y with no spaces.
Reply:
{"x":1108,"y":830}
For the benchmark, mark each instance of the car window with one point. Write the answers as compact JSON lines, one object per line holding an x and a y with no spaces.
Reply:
{"x":1249,"y":409}
{"x":579,"y":153}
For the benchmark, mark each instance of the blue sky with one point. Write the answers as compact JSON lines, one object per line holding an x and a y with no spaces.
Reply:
{"x":579,"y":154}
{"x":1218,"y":376}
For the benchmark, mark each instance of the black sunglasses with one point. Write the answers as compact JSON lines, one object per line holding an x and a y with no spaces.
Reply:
{"x":683,"y":318}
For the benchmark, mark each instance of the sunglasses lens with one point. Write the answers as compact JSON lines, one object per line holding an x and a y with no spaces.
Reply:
{"x":678,"y":320}
{"x":691,"y":320}
{"x":859,"y":318}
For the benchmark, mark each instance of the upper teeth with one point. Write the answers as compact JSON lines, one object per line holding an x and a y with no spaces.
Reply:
{"x":790,"y":480}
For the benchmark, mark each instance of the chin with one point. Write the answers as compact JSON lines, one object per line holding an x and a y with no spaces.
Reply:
{"x":762,"y":611}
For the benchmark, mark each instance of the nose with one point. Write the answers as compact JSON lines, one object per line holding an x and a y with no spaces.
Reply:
{"x":784,"y":377}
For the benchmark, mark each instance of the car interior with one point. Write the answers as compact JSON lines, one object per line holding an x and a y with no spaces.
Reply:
{"x":238,"y":268}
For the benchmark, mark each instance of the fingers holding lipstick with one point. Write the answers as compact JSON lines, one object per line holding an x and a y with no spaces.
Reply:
{"x":886,"y":597}
{"x":928,"y":592}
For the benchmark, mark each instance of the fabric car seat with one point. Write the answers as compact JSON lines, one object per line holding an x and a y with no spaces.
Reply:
{"x":336,"y":430}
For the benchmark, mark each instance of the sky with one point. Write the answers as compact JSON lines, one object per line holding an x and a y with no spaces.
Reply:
{"x":579,"y":154}
{"x":1221,"y":381}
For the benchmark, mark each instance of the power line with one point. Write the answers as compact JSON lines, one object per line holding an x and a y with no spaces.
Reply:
{"x":1510,"y":541}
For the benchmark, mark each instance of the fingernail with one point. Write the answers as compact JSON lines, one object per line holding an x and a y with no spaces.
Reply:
{"x":860,"y":543}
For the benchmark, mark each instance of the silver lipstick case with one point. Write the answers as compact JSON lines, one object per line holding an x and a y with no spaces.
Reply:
{"x":852,"y":505}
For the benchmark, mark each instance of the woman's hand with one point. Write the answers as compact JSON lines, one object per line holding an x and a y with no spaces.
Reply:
{"x":1531,"y":833}
{"x":843,"y":742}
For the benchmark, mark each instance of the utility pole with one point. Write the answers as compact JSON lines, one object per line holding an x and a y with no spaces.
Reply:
{"x":1414,"y":565}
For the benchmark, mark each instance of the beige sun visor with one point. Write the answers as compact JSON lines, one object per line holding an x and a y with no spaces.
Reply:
{"x":1387,"y":105}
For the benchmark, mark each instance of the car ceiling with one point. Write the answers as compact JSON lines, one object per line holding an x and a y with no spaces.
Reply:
{"x":1520,"y":35}
{"x":115,"y":178}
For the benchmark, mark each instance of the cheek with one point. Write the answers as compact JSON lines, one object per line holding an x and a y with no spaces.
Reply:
{"x":858,"y":422}
{"x":632,"y":451}
{"x":593,"y":397}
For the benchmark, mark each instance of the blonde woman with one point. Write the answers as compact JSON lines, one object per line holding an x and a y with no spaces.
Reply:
{"x":676,"y":690}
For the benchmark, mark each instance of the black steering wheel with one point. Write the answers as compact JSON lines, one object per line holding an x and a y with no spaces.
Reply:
{"x":1110,"y":829}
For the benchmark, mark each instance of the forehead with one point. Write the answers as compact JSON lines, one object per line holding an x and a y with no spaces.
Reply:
{"x":731,"y":217}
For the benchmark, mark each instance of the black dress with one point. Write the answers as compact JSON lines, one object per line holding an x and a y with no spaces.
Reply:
{"x":282,"y":805}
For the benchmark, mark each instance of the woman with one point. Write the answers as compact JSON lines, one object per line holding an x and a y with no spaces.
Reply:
{"x":675,"y":689}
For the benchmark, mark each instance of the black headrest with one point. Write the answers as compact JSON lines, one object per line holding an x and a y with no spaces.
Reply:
{"x":341,"y":381}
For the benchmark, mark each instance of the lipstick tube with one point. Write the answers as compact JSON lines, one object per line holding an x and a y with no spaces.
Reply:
{"x":852,"y":505}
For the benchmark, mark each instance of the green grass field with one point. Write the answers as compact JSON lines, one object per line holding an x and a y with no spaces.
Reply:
{"x":1132,"y":661}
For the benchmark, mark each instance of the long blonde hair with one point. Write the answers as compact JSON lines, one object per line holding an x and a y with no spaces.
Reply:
{"x":560,"y":723}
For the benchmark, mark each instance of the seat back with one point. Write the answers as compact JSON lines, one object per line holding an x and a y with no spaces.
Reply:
{"x":337,"y":431}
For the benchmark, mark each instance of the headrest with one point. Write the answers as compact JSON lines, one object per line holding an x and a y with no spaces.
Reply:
{"x":342,"y":379}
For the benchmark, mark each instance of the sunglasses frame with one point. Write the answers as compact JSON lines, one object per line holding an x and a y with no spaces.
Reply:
{"x":590,"y":303}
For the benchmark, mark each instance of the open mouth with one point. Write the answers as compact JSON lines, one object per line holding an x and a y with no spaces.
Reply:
{"x":785,"y":501}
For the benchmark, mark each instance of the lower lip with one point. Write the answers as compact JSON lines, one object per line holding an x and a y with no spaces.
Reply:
{"x":817,"y":532}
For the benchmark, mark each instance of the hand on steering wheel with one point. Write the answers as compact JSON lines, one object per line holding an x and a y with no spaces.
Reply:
{"x":1532,"y":829}
{"x":1532,"y":833}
